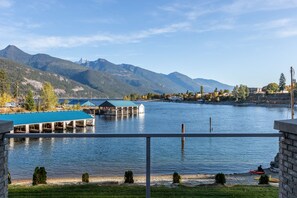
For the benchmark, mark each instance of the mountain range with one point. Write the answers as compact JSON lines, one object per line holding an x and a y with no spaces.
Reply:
{"x":101,"y":77}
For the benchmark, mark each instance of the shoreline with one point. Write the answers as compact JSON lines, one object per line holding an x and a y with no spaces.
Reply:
{"x":231,"y":104}
{"x":156,"y":180}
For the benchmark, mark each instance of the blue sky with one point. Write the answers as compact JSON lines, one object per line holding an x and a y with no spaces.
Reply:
{"x":236,"y":42}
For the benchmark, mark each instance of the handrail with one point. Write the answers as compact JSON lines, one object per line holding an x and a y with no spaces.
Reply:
{"x":147,"y":136}
{"x":137,"y":135}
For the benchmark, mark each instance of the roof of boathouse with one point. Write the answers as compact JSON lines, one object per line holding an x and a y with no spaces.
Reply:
{"x":81,"y":102}
{"x":118,"y":103}
{"x":45,"y":117}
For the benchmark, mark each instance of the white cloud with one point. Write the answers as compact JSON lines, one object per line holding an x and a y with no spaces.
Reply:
{"x":279,"y":28}
{"x":5,"y":3}
{"x":191,"y":11}
{"x":34,"y":42}
{"x":104,"y":1}
{"x":244,"y":6}
{"x":287,"y":33}
{"x":279,"y":23}
{"x":195,"y":9}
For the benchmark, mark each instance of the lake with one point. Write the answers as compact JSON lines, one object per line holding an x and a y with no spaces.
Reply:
{"x":65,"y":157}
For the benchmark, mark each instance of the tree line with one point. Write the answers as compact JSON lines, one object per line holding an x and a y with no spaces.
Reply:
{"x":47,"y":101}
{"x":239,"y":93}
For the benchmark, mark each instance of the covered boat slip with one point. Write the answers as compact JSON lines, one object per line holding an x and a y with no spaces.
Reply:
{"x":120,"y":108}
{"x":38,"y":122}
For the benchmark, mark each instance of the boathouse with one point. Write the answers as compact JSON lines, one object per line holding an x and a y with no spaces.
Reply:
{"x":81,"y":102}
{"x":48,"y":121}
{"x":118,"y":108}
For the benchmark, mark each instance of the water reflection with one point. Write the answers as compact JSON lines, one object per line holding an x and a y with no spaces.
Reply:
{"x":11,"y":143}
{"x":141,"y":123}
{"x":71,"y":156}
{"x":27,"y":142}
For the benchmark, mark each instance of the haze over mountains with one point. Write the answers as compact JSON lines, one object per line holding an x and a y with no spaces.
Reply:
{"x":101,"y":77}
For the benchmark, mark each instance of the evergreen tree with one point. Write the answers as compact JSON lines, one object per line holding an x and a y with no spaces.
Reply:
{"x":48,"y":97}
{"x":201,"y":90}
{"x":4,"y":83}
{"x":282,"y":82}
{"x":29,"y":101}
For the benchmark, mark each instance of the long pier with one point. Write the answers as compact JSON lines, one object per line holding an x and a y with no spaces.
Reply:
{"x":39,"y":122}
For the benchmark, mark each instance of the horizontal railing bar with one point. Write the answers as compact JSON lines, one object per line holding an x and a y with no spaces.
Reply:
{"x":136,"y":135}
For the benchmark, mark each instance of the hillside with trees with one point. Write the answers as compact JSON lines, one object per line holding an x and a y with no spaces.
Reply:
{"x":20,"y":79}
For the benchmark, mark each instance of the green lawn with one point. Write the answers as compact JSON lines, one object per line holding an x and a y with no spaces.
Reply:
{"x":91,"y":190}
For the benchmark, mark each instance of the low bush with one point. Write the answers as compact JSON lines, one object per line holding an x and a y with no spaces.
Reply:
{"x":264,"y":179}
{"x":220,"y":178}
{"x":176,"y":178}
{"x":9,"y":178}
{"x":129,"y":177}
{"x":39,"y":176}
{"x":85,"y":177}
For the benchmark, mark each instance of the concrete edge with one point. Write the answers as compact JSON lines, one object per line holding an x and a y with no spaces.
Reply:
{"x":289,"y":126}
{"x":6,"y":126}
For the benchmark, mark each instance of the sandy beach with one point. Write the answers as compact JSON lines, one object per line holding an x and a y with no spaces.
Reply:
{"x":158,"y":180}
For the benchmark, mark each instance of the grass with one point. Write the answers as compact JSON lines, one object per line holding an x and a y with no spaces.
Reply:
{"x":92,"y":190}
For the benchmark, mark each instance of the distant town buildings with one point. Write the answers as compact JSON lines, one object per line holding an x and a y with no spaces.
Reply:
{"x":255,"y":90}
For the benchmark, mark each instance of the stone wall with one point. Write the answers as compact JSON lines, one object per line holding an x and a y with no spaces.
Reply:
{"x":5,"y":127}
{"x":3,"y":167}
{"x":262,"y":98}
{"x":288,"y":158}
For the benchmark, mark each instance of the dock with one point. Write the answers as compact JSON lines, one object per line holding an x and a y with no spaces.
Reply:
{"x":120,"y":108}
{"x":38,"y":122}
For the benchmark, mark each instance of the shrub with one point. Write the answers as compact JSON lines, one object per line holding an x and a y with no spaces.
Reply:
{"x":9,"y":178}
{"x":129,"y":177}
{"x":85,"y":177}
{"x":220,"y":178}
{"x":39,"y":176}
{"x":43,"y":175}
{"x":176,"y":178}
{"x":264,"y":179}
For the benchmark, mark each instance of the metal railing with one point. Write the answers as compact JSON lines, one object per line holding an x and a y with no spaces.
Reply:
{"x":147,"y":136}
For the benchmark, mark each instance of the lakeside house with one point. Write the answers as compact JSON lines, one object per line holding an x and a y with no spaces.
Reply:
{"x":10,"y":104}
{"x":175,"y":98}
{"x":120,"y":108}
{"x":254,"y":90}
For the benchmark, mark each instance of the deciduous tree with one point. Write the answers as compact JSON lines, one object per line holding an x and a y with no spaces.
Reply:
{"x":240,"y":93}
{"x":272,"y":88}
{"x":48,"y":97}
{"x":4,"y":98}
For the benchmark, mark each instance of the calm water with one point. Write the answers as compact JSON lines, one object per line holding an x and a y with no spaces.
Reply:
{"x":72,"y":157}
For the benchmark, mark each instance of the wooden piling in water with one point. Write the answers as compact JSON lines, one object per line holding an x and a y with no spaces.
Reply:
{"x":210,"y":125}
{"x":183,"y":130}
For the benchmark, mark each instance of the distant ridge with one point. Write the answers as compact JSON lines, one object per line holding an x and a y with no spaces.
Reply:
{"x":112,"y":80}
{"x":102,"y":82}
{"x":145,"y":79}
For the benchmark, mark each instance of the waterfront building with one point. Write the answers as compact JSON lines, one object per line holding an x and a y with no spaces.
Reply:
{"x":120,"y":108}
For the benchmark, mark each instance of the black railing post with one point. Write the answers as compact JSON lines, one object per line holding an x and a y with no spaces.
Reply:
{"x":148,"y":167}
